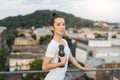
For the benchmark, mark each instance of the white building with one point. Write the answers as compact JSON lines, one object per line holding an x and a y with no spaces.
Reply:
{"x":81,"y":54}
{"x":42,"y":32}
{"x":118,"y":36}
{"x":2,"y":28}
{"x":115,"y":42}
{"x":103,"y":51}
{"x":21,"y":60}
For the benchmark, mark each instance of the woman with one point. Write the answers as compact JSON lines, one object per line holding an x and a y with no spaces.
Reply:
{"x":50,"y":62}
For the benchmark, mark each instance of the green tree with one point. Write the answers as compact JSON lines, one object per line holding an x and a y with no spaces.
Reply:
{"x":35,"y":65}
{"x":34,"y":36}
{"x":10,"y":40}
{"x":3,"y":57}
{"x":3,"y":77}
{"x":41,"y":18}
{"x":21,"y":35}
{"x":16,"y":50}
{"x":90,"y":53}
{"x":114,"y":36}
{"x":45,"y":39}
{"x":69,"y":40}
{"x":98,"y":35}
{"x":11,"y":37}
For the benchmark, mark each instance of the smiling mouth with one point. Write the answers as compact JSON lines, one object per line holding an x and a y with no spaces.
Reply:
{"x":62,"y":31}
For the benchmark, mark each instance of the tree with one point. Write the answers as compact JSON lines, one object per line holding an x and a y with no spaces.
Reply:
{"x":40,"y":18}
{"x":45,"y":39}
{"x":3,"y":77}
{"x":3,"y":57}
{"x":33,"y":36}
{"x":35,"y":65}
{"x":98,"y":35}
{"x":68,"y":40}
{"x":11,"y":37}
{"x":90,"y":53}
{"x":21,"y":35}
{"x":114,"y":36}
{"x":10,"y":40}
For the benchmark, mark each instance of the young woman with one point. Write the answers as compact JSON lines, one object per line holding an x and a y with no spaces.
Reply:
{"x":51,"y":60}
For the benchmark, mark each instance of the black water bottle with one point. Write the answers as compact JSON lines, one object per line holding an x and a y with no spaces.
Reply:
{"x":61,"y":52}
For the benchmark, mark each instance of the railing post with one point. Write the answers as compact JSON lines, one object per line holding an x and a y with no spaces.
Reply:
{"x":112,"y":74}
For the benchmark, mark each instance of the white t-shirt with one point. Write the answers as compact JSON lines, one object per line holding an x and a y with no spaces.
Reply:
{"x":52,"y":51}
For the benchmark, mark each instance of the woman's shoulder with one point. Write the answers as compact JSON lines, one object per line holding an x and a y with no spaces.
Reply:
{"x":52,"y":43}
{"x":65,"y":41}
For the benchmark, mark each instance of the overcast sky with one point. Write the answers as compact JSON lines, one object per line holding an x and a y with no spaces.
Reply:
{"x":104,"y":10}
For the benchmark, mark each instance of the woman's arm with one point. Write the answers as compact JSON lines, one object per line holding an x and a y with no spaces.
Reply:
{"x":75,"y":63}
{"x":48,"y":65}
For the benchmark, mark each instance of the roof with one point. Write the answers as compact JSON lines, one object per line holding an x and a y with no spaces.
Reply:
{"x":112,"y":59}
{"x":95,"y":62}
{"x":24,"y":56}
{"x":113,"y":49}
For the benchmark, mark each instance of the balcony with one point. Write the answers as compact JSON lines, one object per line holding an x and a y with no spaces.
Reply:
{"x":71,"y":74}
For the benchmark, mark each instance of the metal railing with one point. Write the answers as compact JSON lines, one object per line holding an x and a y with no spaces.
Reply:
{"x":113,"y":70}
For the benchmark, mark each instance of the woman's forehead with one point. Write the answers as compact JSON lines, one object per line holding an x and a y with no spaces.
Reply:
{"x":59,"y":20}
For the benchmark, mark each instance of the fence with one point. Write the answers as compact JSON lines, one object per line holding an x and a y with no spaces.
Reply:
{"x":112,"y":73}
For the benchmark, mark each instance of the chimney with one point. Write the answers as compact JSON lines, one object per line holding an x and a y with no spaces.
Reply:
{"x":110,"y":34}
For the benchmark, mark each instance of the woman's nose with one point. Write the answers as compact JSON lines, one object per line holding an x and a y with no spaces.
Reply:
{"x":62,"y":26}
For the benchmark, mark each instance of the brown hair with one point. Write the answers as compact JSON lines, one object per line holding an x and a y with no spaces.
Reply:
{"x":53,"y":17}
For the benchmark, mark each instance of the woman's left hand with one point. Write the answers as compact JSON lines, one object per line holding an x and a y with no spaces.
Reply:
{"x":83,"y":68}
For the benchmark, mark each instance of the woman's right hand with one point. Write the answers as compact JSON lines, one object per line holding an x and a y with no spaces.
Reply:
{"x":63,"y":60}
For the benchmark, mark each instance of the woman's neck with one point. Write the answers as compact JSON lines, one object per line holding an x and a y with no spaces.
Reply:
{"x":58,"y":39}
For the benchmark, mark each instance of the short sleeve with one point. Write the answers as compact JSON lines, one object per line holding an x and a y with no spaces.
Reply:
{"x":51,"y":50}
{"x":69,"y":51}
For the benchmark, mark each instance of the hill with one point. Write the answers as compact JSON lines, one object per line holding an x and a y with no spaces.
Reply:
{"x":40,"y":18}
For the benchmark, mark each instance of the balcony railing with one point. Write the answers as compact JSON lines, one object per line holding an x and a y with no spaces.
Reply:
{"x":112,"y":72}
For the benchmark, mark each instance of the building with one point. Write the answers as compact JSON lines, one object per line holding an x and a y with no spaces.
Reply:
{"x":24,"y":51}
{"x":101,"y":24}
{"x":98,"y":54}
{"x":42,"y":32}
{"x":2,"y":28}
{"x":26,"y":32}
{"x":21,"y":60}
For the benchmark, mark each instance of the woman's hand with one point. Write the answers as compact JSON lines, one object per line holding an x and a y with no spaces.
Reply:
{"x":83,"y":68}
{"x":47,"y":65}
{"x":63,"y":60}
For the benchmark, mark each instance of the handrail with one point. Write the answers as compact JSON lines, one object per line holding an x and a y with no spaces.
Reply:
{"x":69,"y":70}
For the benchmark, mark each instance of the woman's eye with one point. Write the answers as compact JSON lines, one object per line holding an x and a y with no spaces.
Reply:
{"x":58,"y":24}
{"x":63,"y":24}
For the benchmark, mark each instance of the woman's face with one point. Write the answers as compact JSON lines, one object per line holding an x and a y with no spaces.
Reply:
{"x":59,"y":26}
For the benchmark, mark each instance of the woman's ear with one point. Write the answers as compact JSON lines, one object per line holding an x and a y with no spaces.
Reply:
{"x":51,"y":27}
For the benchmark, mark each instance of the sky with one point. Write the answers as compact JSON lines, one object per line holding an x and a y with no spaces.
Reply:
{"x":96,"y":10}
